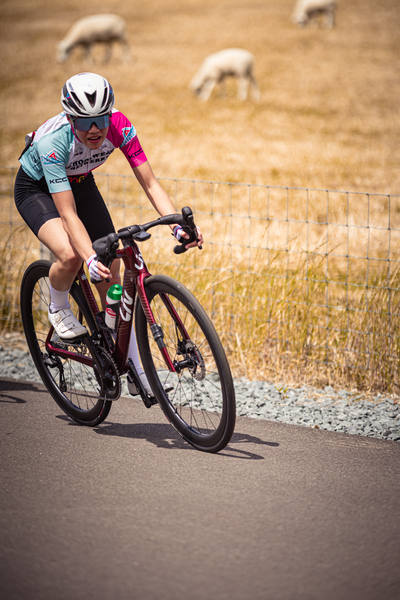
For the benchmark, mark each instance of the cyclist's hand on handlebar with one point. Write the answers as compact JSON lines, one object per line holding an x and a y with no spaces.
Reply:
{"x":97,"y":271}
{"x":179,"y":233}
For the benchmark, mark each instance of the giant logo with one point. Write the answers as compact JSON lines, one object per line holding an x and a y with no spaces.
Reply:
{"x":51,"y":158}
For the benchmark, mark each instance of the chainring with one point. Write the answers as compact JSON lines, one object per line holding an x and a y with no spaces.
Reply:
{"x":109,"y":379}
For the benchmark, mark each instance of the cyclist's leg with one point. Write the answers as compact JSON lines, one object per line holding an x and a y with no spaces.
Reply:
{"x":61,"y":277}
{"x":63,"y":271}
{"x":36,"y":206}
{"x":133,"y":354}
{"x":94,"y":214}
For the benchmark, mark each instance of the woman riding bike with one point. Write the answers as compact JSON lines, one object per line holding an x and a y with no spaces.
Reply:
{"x":57,"y":196}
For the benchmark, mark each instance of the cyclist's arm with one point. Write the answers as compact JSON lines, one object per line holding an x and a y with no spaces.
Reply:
{"x":157,"y":195}
{"x":75,"y":229}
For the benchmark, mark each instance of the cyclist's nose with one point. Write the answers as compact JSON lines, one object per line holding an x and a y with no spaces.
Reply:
{"x":93,"y":128}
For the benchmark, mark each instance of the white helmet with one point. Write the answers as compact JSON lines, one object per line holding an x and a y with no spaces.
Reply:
{"x":87,"y":95}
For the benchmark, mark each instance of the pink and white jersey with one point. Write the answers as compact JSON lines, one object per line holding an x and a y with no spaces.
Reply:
{"x":58,"y":155}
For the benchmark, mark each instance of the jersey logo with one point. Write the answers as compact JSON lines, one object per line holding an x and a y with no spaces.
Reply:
{"x":78,"y":151}
{"x":136,"y":153}
{"x":128,"y":133}
{"x":50,"y":159}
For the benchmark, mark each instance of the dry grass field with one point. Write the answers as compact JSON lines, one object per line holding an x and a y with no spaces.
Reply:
{"x":329,"y":110}
{"x":328,"y":118}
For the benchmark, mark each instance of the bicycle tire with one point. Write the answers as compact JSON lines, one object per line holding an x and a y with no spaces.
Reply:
{"x":72,"y":385}
{"x":202,"y":405}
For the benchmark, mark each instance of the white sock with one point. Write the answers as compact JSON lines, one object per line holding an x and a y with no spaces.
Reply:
{"x":59,"y":300}
{"x":133,"y":353}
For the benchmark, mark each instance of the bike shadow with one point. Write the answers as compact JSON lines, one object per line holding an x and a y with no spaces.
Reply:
{"x":243,"y":438}
{"x":7,"y":386}
{"x":162,"y":435}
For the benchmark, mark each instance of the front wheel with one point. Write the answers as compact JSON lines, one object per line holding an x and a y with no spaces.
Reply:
{"x":74,"y":385}
{"x":201,"y":405}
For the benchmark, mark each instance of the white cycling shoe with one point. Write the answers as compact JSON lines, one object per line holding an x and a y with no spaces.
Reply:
{"x":145,"y":382}
{"x":66,"y":325}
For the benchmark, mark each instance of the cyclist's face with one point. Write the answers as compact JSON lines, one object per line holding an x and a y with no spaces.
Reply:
{"x":93,"y":138}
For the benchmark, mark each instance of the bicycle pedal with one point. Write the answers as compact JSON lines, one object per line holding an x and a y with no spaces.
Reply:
{"x":151,"y":400}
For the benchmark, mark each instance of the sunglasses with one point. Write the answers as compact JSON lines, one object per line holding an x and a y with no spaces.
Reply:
{"x":85,"y":123}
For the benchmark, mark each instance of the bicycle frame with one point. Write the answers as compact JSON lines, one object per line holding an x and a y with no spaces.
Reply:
{"x":135,"y":274}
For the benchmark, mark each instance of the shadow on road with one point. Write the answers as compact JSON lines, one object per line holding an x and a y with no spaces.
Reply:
{"x":160,"y":434}
{"x":164,"y":436}
{"x":16,"y":386}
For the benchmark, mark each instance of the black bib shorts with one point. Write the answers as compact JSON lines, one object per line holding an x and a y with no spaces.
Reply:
{"x":36,"y":206}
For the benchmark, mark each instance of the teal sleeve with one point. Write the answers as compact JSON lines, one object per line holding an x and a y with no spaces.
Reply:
{"x":54,"y":153}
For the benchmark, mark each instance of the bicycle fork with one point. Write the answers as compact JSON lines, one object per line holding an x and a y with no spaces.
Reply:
{"x":185,"y":347}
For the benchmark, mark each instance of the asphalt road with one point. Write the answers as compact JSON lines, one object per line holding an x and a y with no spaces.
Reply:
{"x":127,"y":510}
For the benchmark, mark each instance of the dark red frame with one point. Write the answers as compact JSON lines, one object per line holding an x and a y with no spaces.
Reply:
{"x":135,"y":274}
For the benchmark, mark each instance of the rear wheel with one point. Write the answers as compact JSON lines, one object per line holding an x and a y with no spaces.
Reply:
{"x":75,"y":386}
{"x":201,"y":405}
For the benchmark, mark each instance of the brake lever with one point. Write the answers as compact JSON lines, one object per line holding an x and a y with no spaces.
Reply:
{"x":106,"y":251}
{"x":190,"y":228}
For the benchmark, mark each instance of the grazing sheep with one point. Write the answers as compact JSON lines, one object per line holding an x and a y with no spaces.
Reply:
{"x":307,"y":10}
{"x":232,"y":62}
{"x":104,"y":29}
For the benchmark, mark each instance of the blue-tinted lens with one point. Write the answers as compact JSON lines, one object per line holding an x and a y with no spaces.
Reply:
{"x":85,"y":123}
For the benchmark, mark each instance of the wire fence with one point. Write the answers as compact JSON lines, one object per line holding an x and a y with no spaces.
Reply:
{"x":302,"y":284}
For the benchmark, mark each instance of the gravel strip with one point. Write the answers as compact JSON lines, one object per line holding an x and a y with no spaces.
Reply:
{"x":343,"y":411}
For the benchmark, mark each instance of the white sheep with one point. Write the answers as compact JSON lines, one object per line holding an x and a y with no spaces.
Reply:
{"x":104,"y":29}
{"x":215,"y":68}
{"x":307,"y":10}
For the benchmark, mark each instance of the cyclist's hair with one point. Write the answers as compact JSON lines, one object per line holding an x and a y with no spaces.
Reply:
{"x":87,"y":95}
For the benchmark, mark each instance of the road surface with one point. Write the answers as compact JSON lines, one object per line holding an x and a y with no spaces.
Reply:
{"x":128,"y":510}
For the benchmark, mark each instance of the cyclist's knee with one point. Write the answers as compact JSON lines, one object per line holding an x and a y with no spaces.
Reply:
{"x":69,"y":261}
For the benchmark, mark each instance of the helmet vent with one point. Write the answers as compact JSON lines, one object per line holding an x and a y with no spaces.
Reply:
{"x":75,"y":97}
{"x":91,"y":98}
{"x":104,"y":103}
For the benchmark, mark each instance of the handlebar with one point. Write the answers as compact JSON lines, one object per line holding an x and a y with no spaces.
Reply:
{"x":106,"y":247}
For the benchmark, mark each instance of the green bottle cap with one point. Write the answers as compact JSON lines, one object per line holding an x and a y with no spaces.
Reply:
{"x":115,"y":292}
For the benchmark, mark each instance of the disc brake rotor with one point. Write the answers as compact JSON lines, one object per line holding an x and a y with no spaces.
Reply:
{"x":197,"y":368}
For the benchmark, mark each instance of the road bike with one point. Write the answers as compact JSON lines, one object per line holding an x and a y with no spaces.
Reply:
{"x":178,"y":345}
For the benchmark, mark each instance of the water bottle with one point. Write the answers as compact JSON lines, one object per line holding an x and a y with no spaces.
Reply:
{"x":113,"y":300}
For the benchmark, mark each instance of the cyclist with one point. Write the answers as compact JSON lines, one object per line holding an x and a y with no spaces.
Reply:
{"x":57,"y":197}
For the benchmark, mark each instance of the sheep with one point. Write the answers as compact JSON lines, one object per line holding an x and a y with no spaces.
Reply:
{"x":105,"y":29}
{"x":307,"y":10}
{"x":216,"y":67}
